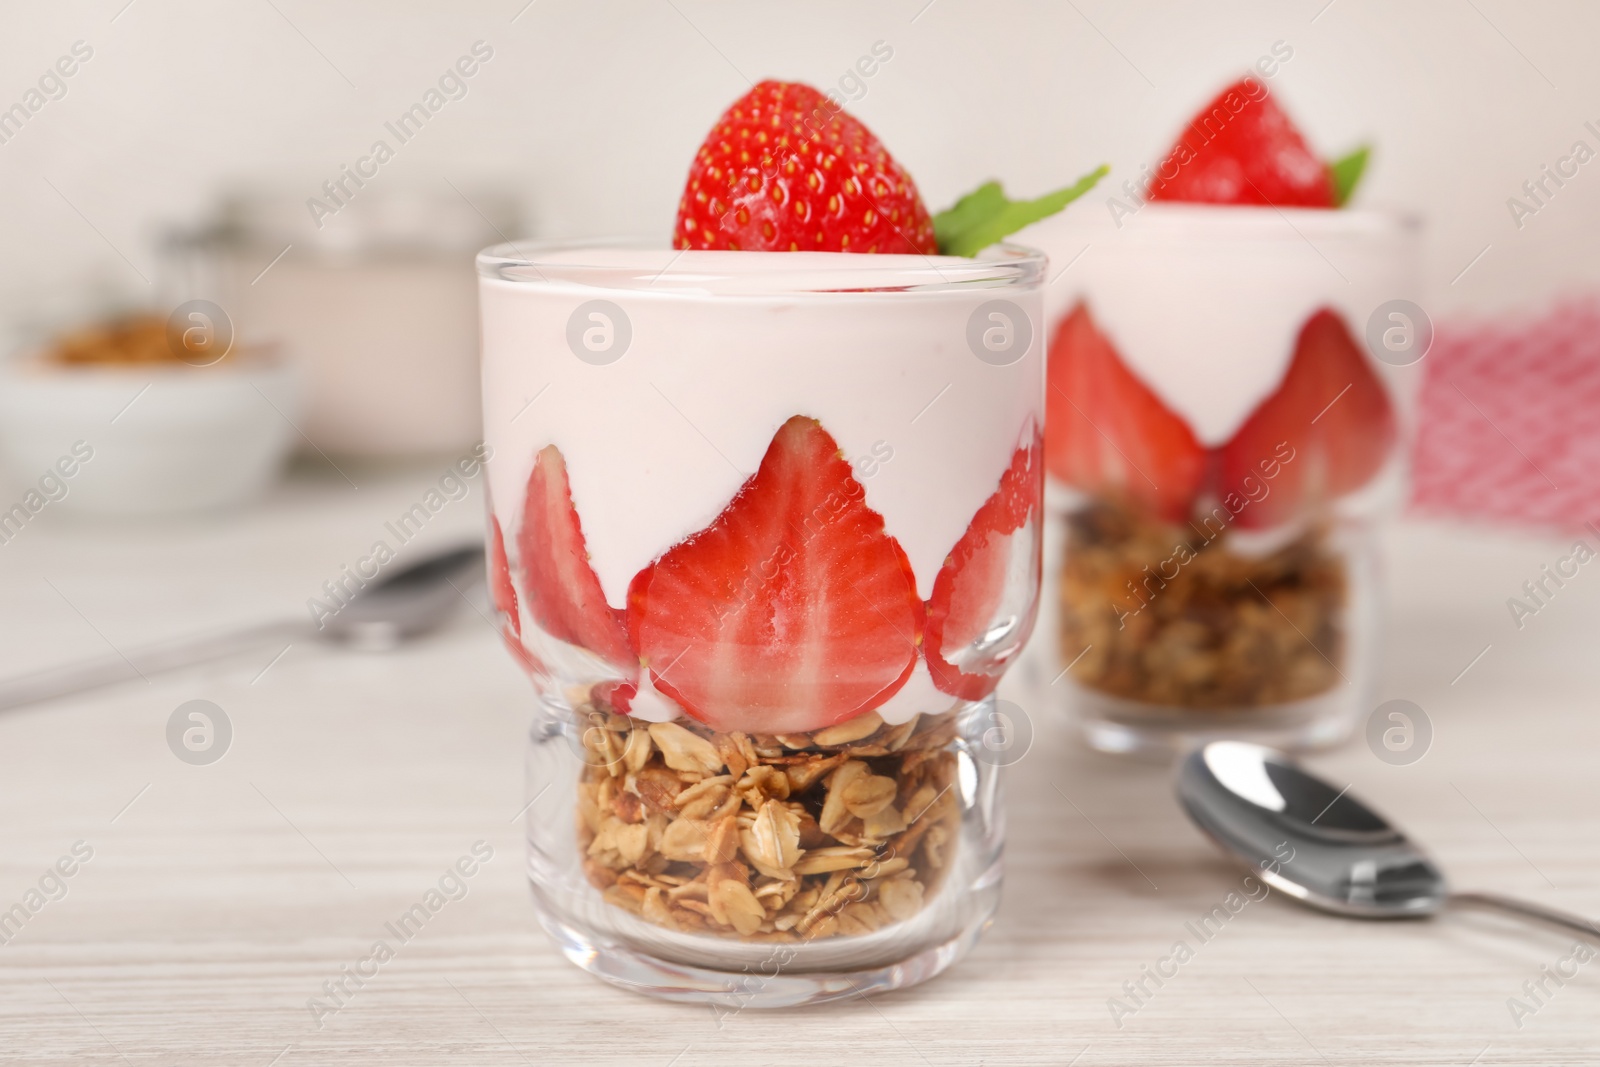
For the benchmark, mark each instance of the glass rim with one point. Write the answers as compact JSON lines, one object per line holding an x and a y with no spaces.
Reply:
{"x":1223,"y":221}
{"x":643,"y":265}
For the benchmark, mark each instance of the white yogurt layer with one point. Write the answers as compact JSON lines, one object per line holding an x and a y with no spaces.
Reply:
{"x":1204,"y":302}
{"x":919,"y":696}
{"x":725,"y":347}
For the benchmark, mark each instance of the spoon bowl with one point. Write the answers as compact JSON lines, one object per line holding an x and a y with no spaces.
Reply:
{"x":1316,"y":843}
{"x":406,"y":604}
{"x":1321,"y":845}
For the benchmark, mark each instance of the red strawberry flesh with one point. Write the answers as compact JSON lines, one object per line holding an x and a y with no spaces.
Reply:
{"x":1325,"y":431}
{"x":504,"y":591}
{"x":563,"y":592}
{"x":615,"y":696}
{"x":500,"y":583}
{"x":1106,"y":432}
{"x":969,"y":594}
{"x":785,"y":169}
{"x":793,"y":610}
{"x":1242,"y":149}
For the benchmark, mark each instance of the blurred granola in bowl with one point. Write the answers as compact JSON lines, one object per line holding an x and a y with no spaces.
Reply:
{"x":173,"y":415}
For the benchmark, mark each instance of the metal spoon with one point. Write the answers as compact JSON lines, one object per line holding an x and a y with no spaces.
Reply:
{"x":1321,"y":845}
{"x":389,"y":610}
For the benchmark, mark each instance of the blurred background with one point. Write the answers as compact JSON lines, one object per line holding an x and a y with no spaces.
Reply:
{"x":590,"y":113}
{"x":176,"y":160}
{"x":156,"y":151}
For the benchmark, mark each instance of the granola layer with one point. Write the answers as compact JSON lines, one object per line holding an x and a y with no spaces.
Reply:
{"x":1171,"y":618}
{"x":759,"y":837}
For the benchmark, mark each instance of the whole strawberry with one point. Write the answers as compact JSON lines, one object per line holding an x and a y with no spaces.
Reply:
{"x":1242,"y":149}
{"x":784,"y":169}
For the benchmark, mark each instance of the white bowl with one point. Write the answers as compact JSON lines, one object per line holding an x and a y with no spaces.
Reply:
{"x":137,"y":440}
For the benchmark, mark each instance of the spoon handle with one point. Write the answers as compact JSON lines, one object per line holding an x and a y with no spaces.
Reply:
{"x":140,"y":662}
{"x":1527,"y":910}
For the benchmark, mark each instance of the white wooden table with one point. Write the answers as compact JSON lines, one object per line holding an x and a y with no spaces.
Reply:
{"x":220,"y":898}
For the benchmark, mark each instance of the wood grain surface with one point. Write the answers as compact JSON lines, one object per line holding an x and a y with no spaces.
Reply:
{"x":219,"y":899}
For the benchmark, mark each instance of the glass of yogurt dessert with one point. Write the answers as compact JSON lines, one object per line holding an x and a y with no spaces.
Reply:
{"x":1227,"y":398}
{"x":765,"y":531}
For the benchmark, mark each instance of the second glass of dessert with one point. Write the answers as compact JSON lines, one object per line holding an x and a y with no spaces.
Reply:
{"x":1222,"y":442}
{"x":765,"y":520}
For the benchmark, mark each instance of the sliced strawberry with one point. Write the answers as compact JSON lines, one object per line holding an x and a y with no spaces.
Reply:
{"x":793,"y":610}
{"x":637,"y":698}
{"x":1106,"y":432}
{"x":504,"y":592}
{"x":615,"y":696}
{"x":999,"y":554}
{"x":1242,"y":149}
{"x":564,"y":594}
{"x":785,"y":169}
{"x":1325,"y":431}
{"x":501,"y":587}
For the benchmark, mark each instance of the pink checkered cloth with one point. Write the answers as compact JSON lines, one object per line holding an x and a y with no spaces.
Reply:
{"x":1509,"y":425}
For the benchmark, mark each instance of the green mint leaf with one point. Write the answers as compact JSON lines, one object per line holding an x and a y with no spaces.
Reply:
{"x":987,"y":215}
{"x":1347,"y":172}
{"x":982,"y":203}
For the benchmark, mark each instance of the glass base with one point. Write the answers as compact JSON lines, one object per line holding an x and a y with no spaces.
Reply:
{"x":760,"y":985}
{"x":1160,"y":733}
{"x":955,"y":850}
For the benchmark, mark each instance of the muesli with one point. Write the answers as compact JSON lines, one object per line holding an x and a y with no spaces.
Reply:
{"x":768,"y":837}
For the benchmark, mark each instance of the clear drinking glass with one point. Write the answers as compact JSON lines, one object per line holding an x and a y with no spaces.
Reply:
{"x":1230,"y":391}
{"x":766,"y":535}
